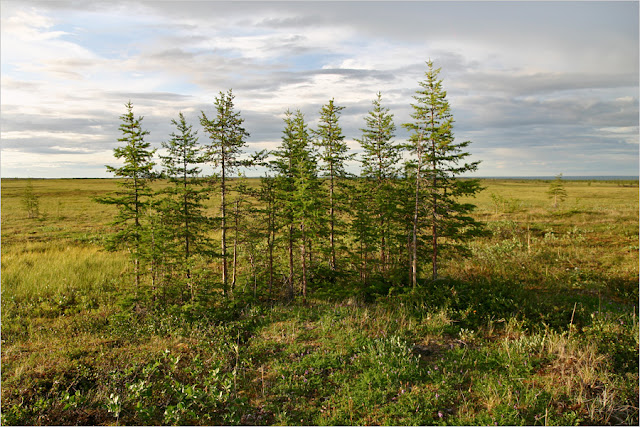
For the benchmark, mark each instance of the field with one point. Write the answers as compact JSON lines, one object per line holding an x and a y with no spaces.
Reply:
{"x":538,"y":327}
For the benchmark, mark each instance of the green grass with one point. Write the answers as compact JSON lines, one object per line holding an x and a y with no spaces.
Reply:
{"x":36,"y":271}
{"x":538,"y":327}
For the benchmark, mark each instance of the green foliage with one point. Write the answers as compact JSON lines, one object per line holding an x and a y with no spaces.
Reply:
{"x":436,"y":165}
{"x":363,"y":229}
{"x":381,"y":155}
{"x":333,"y":156}
{"x":557,"y":191}
{"x":297,"y":191}
{"x":227,"y":137}
{"x":376,"y":210}
{"x":182,"y":222}
{"x":134,"y":198}
{"x":504,"y":204}
{"x":615,"y":336}
{"x":330,"y":141}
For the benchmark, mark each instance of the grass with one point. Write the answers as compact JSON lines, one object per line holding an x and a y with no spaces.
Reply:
{"x":538,"y":327}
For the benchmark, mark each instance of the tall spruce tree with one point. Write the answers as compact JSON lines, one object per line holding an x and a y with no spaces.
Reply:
{"x":227,"y":139}
{"x":283,"y":165}
{"x":298,"y":193}
{"x":439,"y":160}
{"x":134,"y":197}
{"x":334,"y":155}
{"x":307,"y":193}
{"x":183,"y":209}
{"x":379,"y":160}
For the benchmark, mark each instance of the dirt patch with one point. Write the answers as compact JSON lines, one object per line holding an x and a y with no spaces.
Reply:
{"x":432,"y":349}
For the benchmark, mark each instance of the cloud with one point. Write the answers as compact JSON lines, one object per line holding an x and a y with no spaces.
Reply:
{"x":560,"y":77}
{"x":521,"y":84}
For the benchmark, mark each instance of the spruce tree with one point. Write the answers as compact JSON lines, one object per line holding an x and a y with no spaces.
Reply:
{"x":298,"y":193}
{"x":557,"y":191}
{"x":283,"y":166}
{"x":227,"y":138}
{"x":333,"y":154}
{"x":306,"y":194}
{"x":379,"y":160}
{"x":439,"y":160}
{"x":134,"y":197}
{"x":183,"y":207}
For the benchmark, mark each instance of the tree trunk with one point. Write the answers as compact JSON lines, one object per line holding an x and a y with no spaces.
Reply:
{"x":304,"y":264}
{"x":383,"y":257}
{"x":270,"y":246}
{"x":223,"y":214}
{"x":290,"y":289}
{"x":136,"y":261}
{"x":414,"y":233}
{"x":410,"y":251}
{"x":186,"y":223}
{"x":253,"y":271}
{"x":434,"y":231}
{"x":136,"y":270}
{"x":235,"y":248}
{"x":332,"y":262}
{"x":434,"y":209}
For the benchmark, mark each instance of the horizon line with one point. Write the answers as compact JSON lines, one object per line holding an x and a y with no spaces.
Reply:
{"x":573,"y":177}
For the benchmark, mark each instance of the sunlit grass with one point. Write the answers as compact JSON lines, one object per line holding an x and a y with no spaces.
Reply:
{"x":38,"y":270}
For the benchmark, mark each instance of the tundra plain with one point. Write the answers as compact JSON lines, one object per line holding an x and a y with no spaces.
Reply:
{"x":539,"y":326}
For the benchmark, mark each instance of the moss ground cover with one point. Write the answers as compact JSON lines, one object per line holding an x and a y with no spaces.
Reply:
{"x":538,"y":327}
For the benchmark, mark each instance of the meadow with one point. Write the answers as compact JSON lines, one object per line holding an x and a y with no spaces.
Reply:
{"x":537,"y":327}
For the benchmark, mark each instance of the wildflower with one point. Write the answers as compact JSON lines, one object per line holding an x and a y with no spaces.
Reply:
{"x":440,"y":414}
{"x":437,"y":395}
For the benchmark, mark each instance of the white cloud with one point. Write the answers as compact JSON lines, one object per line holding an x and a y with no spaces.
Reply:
{"x":20,"y":164}
{"x":69,"y":136}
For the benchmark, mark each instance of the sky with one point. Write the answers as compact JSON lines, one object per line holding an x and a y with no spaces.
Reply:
{"x":539,"y":88}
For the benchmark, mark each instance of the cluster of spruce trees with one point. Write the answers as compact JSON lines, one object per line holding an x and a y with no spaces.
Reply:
{"x":308,"y":221}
